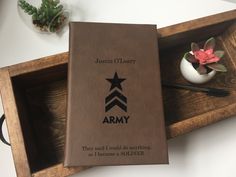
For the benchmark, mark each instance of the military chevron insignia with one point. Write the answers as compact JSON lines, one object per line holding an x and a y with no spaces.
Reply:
{"x":116,"y":98}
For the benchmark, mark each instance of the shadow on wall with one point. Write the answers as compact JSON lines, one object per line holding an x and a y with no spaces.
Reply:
{"x":77,"y":12}
{"x":4,"y":12}
{"x":178,"y":148}
{"x":1,"y":13}
{"x":232,"y":1}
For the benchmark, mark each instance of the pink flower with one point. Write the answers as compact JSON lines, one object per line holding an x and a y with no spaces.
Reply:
{"x":206,"y":57}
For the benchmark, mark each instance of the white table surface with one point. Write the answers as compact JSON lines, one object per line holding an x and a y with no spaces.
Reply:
{"x":209,"y":151}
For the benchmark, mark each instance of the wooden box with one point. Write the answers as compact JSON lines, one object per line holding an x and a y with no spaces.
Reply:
{"x":34,"y":96}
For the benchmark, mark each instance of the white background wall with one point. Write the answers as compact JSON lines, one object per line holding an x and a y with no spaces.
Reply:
{"x":209,"y":151}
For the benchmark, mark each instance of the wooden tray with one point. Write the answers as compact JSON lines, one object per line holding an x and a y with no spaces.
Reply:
{"x":34,"y":94}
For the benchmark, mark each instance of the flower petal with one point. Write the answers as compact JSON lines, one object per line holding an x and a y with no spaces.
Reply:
{"x":201,"y":56}
{"x":209,"y":51}
{"x":213,"y":60}
{"x":189,"y":57}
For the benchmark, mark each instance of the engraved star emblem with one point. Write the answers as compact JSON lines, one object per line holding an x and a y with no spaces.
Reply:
{"x":116,"y":82}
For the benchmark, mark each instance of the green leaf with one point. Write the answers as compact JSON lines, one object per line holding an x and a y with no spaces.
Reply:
{"x":30,"y":12}
{"x":34,"y":17}
{"x":29,"y":9}
{"x":201,"y":70}
{"x":219,"y":53}
{"x":56,"y":2}
{"x":194,"y":47}
{"x":40,"y":16}
{"x":189,"y":57}
{"x":217,"y":67}
{"x":210,"y":44}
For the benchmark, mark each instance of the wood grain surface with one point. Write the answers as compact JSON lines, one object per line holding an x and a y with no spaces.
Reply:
{"x":14,"y":126}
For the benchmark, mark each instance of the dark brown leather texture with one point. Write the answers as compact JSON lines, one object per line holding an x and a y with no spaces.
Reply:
{"x":115,"y":110}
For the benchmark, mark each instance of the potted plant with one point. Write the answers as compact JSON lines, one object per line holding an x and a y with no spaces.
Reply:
{"x":49,"y":17}
{"x":200,"y":65}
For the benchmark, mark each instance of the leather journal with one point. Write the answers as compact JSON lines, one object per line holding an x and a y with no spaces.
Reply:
{"x":115,"y":111}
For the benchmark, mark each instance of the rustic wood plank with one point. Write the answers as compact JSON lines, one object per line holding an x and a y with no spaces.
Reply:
{"x":229,"y":41}
{"x":200,"y":121}
{"x":38,"y":64}
{"x":58,"y":171}
{"x":47,"y":107}
{"x":197,"y":23}
{"x":14,"y":126}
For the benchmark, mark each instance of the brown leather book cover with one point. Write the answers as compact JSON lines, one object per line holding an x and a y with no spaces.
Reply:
{"x":115,"y":111}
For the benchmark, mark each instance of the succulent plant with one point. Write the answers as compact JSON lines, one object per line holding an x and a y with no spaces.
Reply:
{"x":49,"y":16}
{"x":206,"y":59}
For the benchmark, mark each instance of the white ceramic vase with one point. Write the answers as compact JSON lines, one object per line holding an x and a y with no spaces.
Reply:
{"x":191,"y":75}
